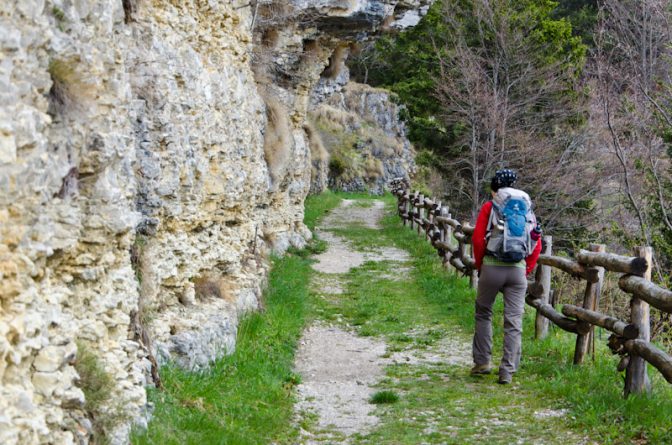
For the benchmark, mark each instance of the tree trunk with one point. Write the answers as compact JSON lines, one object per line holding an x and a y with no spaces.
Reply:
{"x":543,"y":277}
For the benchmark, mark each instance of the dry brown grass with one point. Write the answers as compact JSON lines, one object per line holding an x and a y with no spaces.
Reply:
{"x":373,"y":168}
{"x":70,"y":90}
{"x":209,"y":286}
{"x":318,"y":153}
{"x":270,"y":38}
{"x":311,"y":47}
{"x":313,"y":53}
{"x":335,"y":118}
{"x":357,"y":89}
{"x":278,"y":139}
{"x":130,"y":9}
{"x":336,"y":62}
{"x":274,"y":13}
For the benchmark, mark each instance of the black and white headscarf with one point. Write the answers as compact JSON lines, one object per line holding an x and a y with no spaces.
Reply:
{"x":503,"y":178}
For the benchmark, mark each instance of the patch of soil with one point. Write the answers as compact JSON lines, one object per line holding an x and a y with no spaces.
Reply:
{"x":448,"y":351}
{"x":337,"y":369}
{"x":348,"y":215}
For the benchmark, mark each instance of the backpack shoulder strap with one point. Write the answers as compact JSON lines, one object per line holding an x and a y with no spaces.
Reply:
{"x":492,"y":216}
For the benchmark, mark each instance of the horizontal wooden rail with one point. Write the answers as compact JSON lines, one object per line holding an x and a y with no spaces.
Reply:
{"x":612,"y":324}
{"x":613,"y":262}
{"x":556,"y":317}
{"x":653,"y":294}
{"x":571,"y":267}
{"x":658,"y":359}
{"x":455,"y":224}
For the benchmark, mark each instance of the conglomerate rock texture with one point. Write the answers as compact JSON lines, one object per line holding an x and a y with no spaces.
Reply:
{"x":152,"y":152}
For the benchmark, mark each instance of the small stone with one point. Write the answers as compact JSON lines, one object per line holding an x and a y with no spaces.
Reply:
{"x":73,"y":398}
{"x":7,"y":148}
{"x":49,"y":359}
{"x":85,"y":259}
{"x":24,"y":402}
{"x":45,"y":382}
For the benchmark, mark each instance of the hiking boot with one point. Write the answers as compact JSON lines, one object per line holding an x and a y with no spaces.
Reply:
{"x":481,"y":369}
{"x":504,"y":379}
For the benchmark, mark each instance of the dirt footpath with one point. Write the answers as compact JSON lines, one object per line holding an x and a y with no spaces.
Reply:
{"x":338,"y":368}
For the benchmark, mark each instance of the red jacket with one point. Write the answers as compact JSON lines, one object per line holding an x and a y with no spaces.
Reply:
{"x":478,"y":240}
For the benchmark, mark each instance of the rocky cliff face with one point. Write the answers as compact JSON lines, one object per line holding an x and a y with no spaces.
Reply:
{"x":152,"y":152}
{"x":363,"y":135}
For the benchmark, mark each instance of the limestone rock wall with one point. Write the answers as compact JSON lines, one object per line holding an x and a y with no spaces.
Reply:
{"x":68,"y":216}
{"x":152,"y":152}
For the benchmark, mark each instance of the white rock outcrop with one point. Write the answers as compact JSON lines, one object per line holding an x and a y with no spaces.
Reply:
{"x":144,"y":176}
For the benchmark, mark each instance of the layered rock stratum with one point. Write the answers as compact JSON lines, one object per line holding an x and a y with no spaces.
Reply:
{"x":152,"y":153}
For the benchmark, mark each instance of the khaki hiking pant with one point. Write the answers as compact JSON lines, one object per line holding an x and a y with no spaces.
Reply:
{"x":511,"y":281}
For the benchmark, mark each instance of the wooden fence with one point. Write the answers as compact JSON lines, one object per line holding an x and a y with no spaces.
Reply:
{"x":629,"y":339}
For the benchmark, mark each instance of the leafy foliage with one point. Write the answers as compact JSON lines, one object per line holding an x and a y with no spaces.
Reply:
{"x":98,"y":386}
{"x":407,"y":64}
{"x":582,"y":14}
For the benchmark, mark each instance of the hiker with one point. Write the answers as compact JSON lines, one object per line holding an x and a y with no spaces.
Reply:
{"x":506,"y":248}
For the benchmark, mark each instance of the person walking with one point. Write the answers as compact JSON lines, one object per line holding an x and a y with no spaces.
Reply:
{"x":506,"y":247}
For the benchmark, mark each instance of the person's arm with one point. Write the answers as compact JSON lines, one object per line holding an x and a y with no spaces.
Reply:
{"x":531,"y":260}
{"x":478,"y":238}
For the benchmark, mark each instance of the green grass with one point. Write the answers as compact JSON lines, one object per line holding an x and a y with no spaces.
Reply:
{"x":429,"y":304}
{"x":97,"y":385}
{"x":594,"y":392}
{"x":317,"y":206}
{"x":245,"y":398}
{"x":384,"y":397}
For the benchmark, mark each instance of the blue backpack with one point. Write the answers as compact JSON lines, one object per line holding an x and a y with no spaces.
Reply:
{"x":511,"y":221}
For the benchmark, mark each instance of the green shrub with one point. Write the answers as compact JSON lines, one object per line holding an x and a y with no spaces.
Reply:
{"x":94,"y":380}
{"x":382,"y":397}
{"x":337,"y":166}
{"x":98,"y":385}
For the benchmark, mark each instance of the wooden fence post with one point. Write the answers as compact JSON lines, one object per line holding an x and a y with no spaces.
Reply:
{"x":447,"y":237}
{"x":411,"y":208}
{"x":636,"y":377}
{"x":430,"y":220}
{"x":591,"y":299}
{"x":420,"y":212}
{"x":473,"y":275}
{"x":449,"y":232}
{"x":543,"y":277}
{"x":442,"y":234}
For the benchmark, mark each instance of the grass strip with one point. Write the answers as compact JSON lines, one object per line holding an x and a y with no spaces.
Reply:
{"x":246,"y":397}
{"x":317,"y":206}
